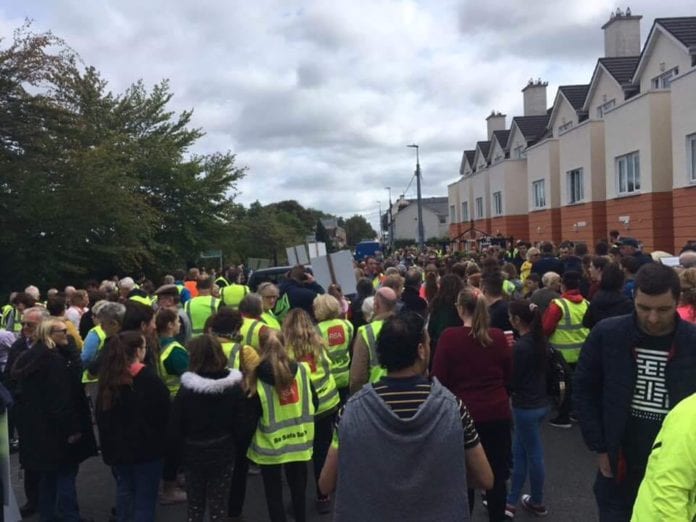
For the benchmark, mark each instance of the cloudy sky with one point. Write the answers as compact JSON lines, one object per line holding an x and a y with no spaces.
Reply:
{"x":320,"y":98}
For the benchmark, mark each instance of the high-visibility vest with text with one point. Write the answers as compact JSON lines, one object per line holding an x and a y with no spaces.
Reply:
{"x":338,"y":334}
{"x":285,"y":432}
{"x":322,"y":380}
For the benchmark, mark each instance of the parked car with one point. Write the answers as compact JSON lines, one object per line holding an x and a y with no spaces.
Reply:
{"x":274,"y":274}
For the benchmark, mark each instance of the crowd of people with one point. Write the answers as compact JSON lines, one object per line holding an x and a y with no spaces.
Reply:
{"x":413,"y":396}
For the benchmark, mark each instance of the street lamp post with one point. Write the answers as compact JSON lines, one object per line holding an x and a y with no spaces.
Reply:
{"x":390,"y":222}
{"x":421,"y":232}
{"x":381,"y":228}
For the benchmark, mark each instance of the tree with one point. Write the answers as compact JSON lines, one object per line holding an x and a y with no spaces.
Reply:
{"x":357,"y":229}
{"x":95,"y":183}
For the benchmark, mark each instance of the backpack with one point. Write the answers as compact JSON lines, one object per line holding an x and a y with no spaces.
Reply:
{"x":557,"y":374}
{"x":282,"y":307}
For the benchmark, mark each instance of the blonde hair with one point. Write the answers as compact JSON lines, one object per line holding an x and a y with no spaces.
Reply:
{"x":43,"y":331}
{"x":301,"y":336}
{"x":326,"y":307}
{"x":531,"y":252}
{"x":271,"y":350}
{"x":687,"y":278}
{"x":475,"y":305}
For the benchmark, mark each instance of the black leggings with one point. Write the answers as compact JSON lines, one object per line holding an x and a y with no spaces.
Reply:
{"x":296,"y":475}
{"x":208,"y":486}
{"x":323,"y":431}
{"x":496,"y":439}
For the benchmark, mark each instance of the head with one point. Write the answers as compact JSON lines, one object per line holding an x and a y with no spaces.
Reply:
{"x":111,"y":316}
{"x":371,"y":266}
{"x":225,"y":323}
{"x":492,"y":284}
{"x":546,"y":248}
{"x":251,"y":305}
{"x":471,"y":306}
{"x":597,"y":266}
{"x":525,"y":317}
{"x":629,"y":246}
{"x":206,"y":355}
{"x":385,"y":301}
{"x":688,"y":259}
{"x":413,"y":279}
{"x":122,"y":351}
{"x":657,"y":293}
{"x":368,"y":308}
{"x":79,"y":298}
{"x":31,"y":319}
{"x":630,"y":265}
{"x":552,"y":281}
{"x":613,"y":236}
{"x":139,"y":317}
{"x":168,"y":280}
{"x":570,"y":281}
{"x":403,"y":343}
{"x":52,"y":332}
{"x":33,"y":291}
{"x":580,"y":249}
{"x":167,"y":322}
{"x":301,"y":335}
{"x":522,"y":248}
{"x":326,"y":307}
{"x":125,"y":286}
{"x":687,"y":279}
{"x":193,"y":274}
{"x":204,"y":285}
{"x":269,"y":295}
{"x":22,"y":300}
{"x":612,"y":278}
{"x":601,"y":248}
{"x":272,"y":351}
{"x":56,"y":305}
{"x":395,"y":282}
{"x":532,"y":283}
{"x":446,"y":295}
{"x":168,"y":297}
{"x":565,"y":248}
{"x":364,"y":287}
{"x":297,"y":273}
{"x":179,"y":275}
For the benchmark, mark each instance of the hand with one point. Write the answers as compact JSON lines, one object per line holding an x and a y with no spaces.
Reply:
{"x":604,"y":466}
{"x":309,"y":278}
{"x":72,"y":439}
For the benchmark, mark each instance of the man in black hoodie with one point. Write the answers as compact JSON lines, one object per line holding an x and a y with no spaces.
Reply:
{"x":301,"y":289}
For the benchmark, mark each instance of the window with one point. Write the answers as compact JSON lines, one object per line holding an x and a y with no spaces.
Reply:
{"x":664,"y":80}
{"x":518,"y":152}
{"x":691,"y":157}
{"x":479,"y":208}
{"x":453,"y":217}
{"x":628,"y":173}
{"x":606,"y":106}
{"x":498,"y":203}
{"x":443,"y":219}
{"x":566,"y":126}
{"x":539,"y":192}
{"x":465,"y":211}
{"x":576,"y":189}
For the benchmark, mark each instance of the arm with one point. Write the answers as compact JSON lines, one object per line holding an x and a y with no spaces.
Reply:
{"x":478,"y":471}
{"x":587,"y":391}
{"x":551,"y":318}
{"x":329,"y":473}
{"x":588,"y":320}
{"x":359,"y":366}
{"x":89,"y":348}
{"x":177,"y":362}
{"x":440,"y":362}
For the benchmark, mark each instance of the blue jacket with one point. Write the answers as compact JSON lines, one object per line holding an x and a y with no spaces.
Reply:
{"x":547,"y":263}
{"x":301,"y":295}
{"x":605,"y":379}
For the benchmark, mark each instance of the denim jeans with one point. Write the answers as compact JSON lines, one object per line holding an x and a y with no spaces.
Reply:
{"x":527,"y":454}
{"x":58,"y":495}
{"x":136,"y":491}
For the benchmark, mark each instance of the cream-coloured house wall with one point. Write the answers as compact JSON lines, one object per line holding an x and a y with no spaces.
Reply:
{"x":480,"y":160}
{"x":507,"y":177}
{"x":606,"y":89}
{"x":453,"y":199}
{"x":465,"y":194}
{"x":664,"y":55}
{"x":641,"y":124}
{"x":683,"y":125}
{"x":406,"y":223}
{"x":516,"y":140}
{"x":480,"y":188}
{"x":467,"y":169}
{"x":498,"y":153}
{"x":583,"y":147}
{"x":543,"y":163}
{"x":564,"y":113}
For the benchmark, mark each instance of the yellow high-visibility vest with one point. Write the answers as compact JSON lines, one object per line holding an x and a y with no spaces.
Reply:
{"x":198,"y":309}
{"x":173,"y":382}
{"x":338,"y":334}
{"x":570,"y":334}
{"x":369,"y":333}
{"x":88,"y":378}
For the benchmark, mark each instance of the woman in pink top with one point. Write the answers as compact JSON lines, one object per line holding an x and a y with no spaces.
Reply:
{"x":687,"y":305}
{"x":475,"y":363}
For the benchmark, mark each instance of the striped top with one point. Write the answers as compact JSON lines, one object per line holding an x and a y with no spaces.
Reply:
{"x":405,"y":395}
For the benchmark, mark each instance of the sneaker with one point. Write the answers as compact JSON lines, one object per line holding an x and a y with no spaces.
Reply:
{"x":535,"y":509}
{"x":484,"y":500}
{"x":561,"y":422}
{"x":573,"y":418}
{"x":323,"y":504}
{"x":509,"y":512}
{"x":172,"y":496}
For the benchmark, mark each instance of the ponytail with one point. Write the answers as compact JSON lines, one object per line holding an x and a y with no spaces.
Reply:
{"x":528,"y":313}
{"x":475,"y":305}
{"x":273,"y":351}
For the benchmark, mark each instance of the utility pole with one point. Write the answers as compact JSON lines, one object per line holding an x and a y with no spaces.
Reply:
{"x":390,"y":223}
{"x":381,"y":228}
{"x":421,"y":232}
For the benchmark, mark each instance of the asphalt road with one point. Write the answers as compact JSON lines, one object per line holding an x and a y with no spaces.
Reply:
{"x":570,"y":472}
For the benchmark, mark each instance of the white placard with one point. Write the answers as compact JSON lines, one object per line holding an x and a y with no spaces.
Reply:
{"x":316,"y":250}
{"x":343,"y":271}
{"x":301,"y":255}
{"x":672,"y":261}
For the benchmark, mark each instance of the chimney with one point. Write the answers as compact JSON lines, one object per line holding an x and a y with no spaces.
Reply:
{"x":622,"y":34}
{"x":496,"y":121}
{"x":535,"y":98}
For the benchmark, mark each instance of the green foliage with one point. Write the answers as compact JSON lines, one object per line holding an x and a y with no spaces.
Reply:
{"x":357,"y":228}
{"x":95,"y":183}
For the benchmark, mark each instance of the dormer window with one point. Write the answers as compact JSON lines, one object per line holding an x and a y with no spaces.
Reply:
{"x":566,"y":126}
{"x":606,"y":106}
{"x":518,"y":152}
{"x":664,"y":80}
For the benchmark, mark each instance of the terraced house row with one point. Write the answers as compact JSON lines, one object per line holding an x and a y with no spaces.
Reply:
{"x":616,"y":153}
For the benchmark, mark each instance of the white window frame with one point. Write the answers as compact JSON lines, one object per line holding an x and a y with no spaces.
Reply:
{"x":465,"y":211}
{"x":497,"y":203}
{"x":539,"y":193}
{"x":576,"y":186}
{"x":627,"y":168}
{"x":691,"y":158}
{"x":607,"y":105}
{"x":566,"y":126}
{"x":664,"y":80}
{"x":519,"y":152}
{"x":452,"y":214}
{"x":479,"y":208}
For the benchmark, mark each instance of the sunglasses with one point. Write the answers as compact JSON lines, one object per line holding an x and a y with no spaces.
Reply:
{"x":61,"y":330}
